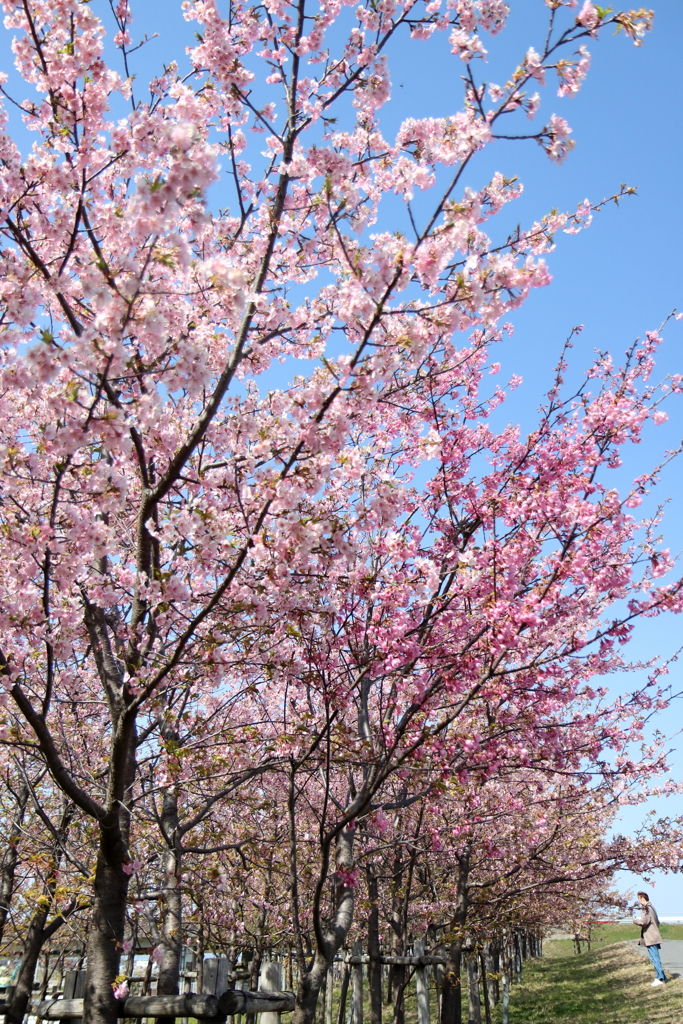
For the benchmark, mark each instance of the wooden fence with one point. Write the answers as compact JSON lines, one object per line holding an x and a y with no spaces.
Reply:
{"x":487,"y":973}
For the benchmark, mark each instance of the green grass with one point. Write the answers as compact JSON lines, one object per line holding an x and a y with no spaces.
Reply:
{"x":608,"y":985}
{"x":608,"y":933}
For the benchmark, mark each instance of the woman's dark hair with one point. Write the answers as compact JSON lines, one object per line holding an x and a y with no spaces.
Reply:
{"x":645,"y":895}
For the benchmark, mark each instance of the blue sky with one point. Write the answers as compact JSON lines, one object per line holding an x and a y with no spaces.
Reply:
{"x":619,"y":278}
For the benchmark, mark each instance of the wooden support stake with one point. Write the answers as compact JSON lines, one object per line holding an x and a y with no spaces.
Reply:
{"x":421,"y":986}
{"x":473,"y":1001}
{"x":270,"y":980}
{"x":483,"y":959}
{"x":357,"y":990}
{"x":210,"y":975}
{"x":506,"y":998}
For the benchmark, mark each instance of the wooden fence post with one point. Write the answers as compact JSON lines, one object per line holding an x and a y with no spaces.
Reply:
{"x":271,"y":980}
{"x":222,"y":972}
{"x":506,"y":998}
{"x":483,"y":959}
{"x":210,"y":976}
{"x":421,"y":986}
{"x":439,"y":971}
{"x":473,"y":1001}
{"x":357,"y":991}
{"x":341,"y":1010}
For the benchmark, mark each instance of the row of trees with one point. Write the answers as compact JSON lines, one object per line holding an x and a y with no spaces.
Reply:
{"x":286,"y":662}
{"x":471,"y":859}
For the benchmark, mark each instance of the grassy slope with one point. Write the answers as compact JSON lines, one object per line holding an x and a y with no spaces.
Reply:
{"x":608,"y":985}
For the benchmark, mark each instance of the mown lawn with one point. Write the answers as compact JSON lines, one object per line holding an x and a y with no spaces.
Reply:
{"x":608,"y":985}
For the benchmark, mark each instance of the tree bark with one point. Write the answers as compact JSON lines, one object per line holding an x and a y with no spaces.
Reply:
{"x":108,"y":921}
{"x":397,"y":972}
{"x":343,"y":994}
{"x":107,"y":925}
{"x":374,"y":967}
{"x":485,"y":986}
{"x":38,"y":931}
{"x":168,"y":981}
{"x":256,"y":960}
{"x":23,"y":987}
{"x":451,"y":1005}
{"x":310,"y":983}
{"x":331,"y":934}
{"x":10,"y":857}
{"x":473,"y":999}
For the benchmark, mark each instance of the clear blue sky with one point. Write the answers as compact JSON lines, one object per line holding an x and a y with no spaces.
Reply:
{"x":620,"y":278}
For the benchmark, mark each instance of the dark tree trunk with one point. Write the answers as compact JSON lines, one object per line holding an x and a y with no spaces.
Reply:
{"x":107,"y":926}
{"x":343,"y":994}
{"x":331,"y":933}
{"x":257,"y":959}
{"x":310,"y":983}
{"x":23,"y":987}
{"x":108,"y":920}
{"x":375,"y":967}
{"x":451,"y":1003}
{"x":255,"y":967}
{"x":451,"y":999}
{"x":38,"y":933}
{"x":397,"y":972}
{"x":8,"y":865}
{"x":485,"y":987}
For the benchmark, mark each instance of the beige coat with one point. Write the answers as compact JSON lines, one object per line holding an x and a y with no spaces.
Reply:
{"x":649,"y":926}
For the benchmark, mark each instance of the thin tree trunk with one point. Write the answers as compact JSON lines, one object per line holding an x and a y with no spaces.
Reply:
{"x":310,"y":983}
{"x":322,"y":1002}
{"x":473,"y":998}
{"x":168,"y":981}
{"x":255,"y":965}
{"x":37,"y":933}
{"x":485,"y":986}
{"x":341,"y":1009}
{"x":46,"y":977}
{"x":451,"y":1005}
{"x":397,"y":972}
{"x":375,"y":967}
{"x":8,"y":865}
{"x":23,"y":986}
{"x":490,"y":971}
{"x":255,"y":970}
{"x":329,"y":994}
{"x":108,"y":921}
{"x":332,"y":932}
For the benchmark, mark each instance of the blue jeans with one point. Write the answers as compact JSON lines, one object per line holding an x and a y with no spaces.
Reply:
{"x":653,"y":953}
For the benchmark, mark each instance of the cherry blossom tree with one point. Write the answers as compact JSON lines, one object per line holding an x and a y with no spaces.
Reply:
{"x":171,"y":528}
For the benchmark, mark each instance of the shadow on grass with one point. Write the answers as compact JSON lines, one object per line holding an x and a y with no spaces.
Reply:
{"x":611,"y":984}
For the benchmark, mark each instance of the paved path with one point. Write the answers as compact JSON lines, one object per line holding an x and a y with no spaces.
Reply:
{"x":671,"y":954}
